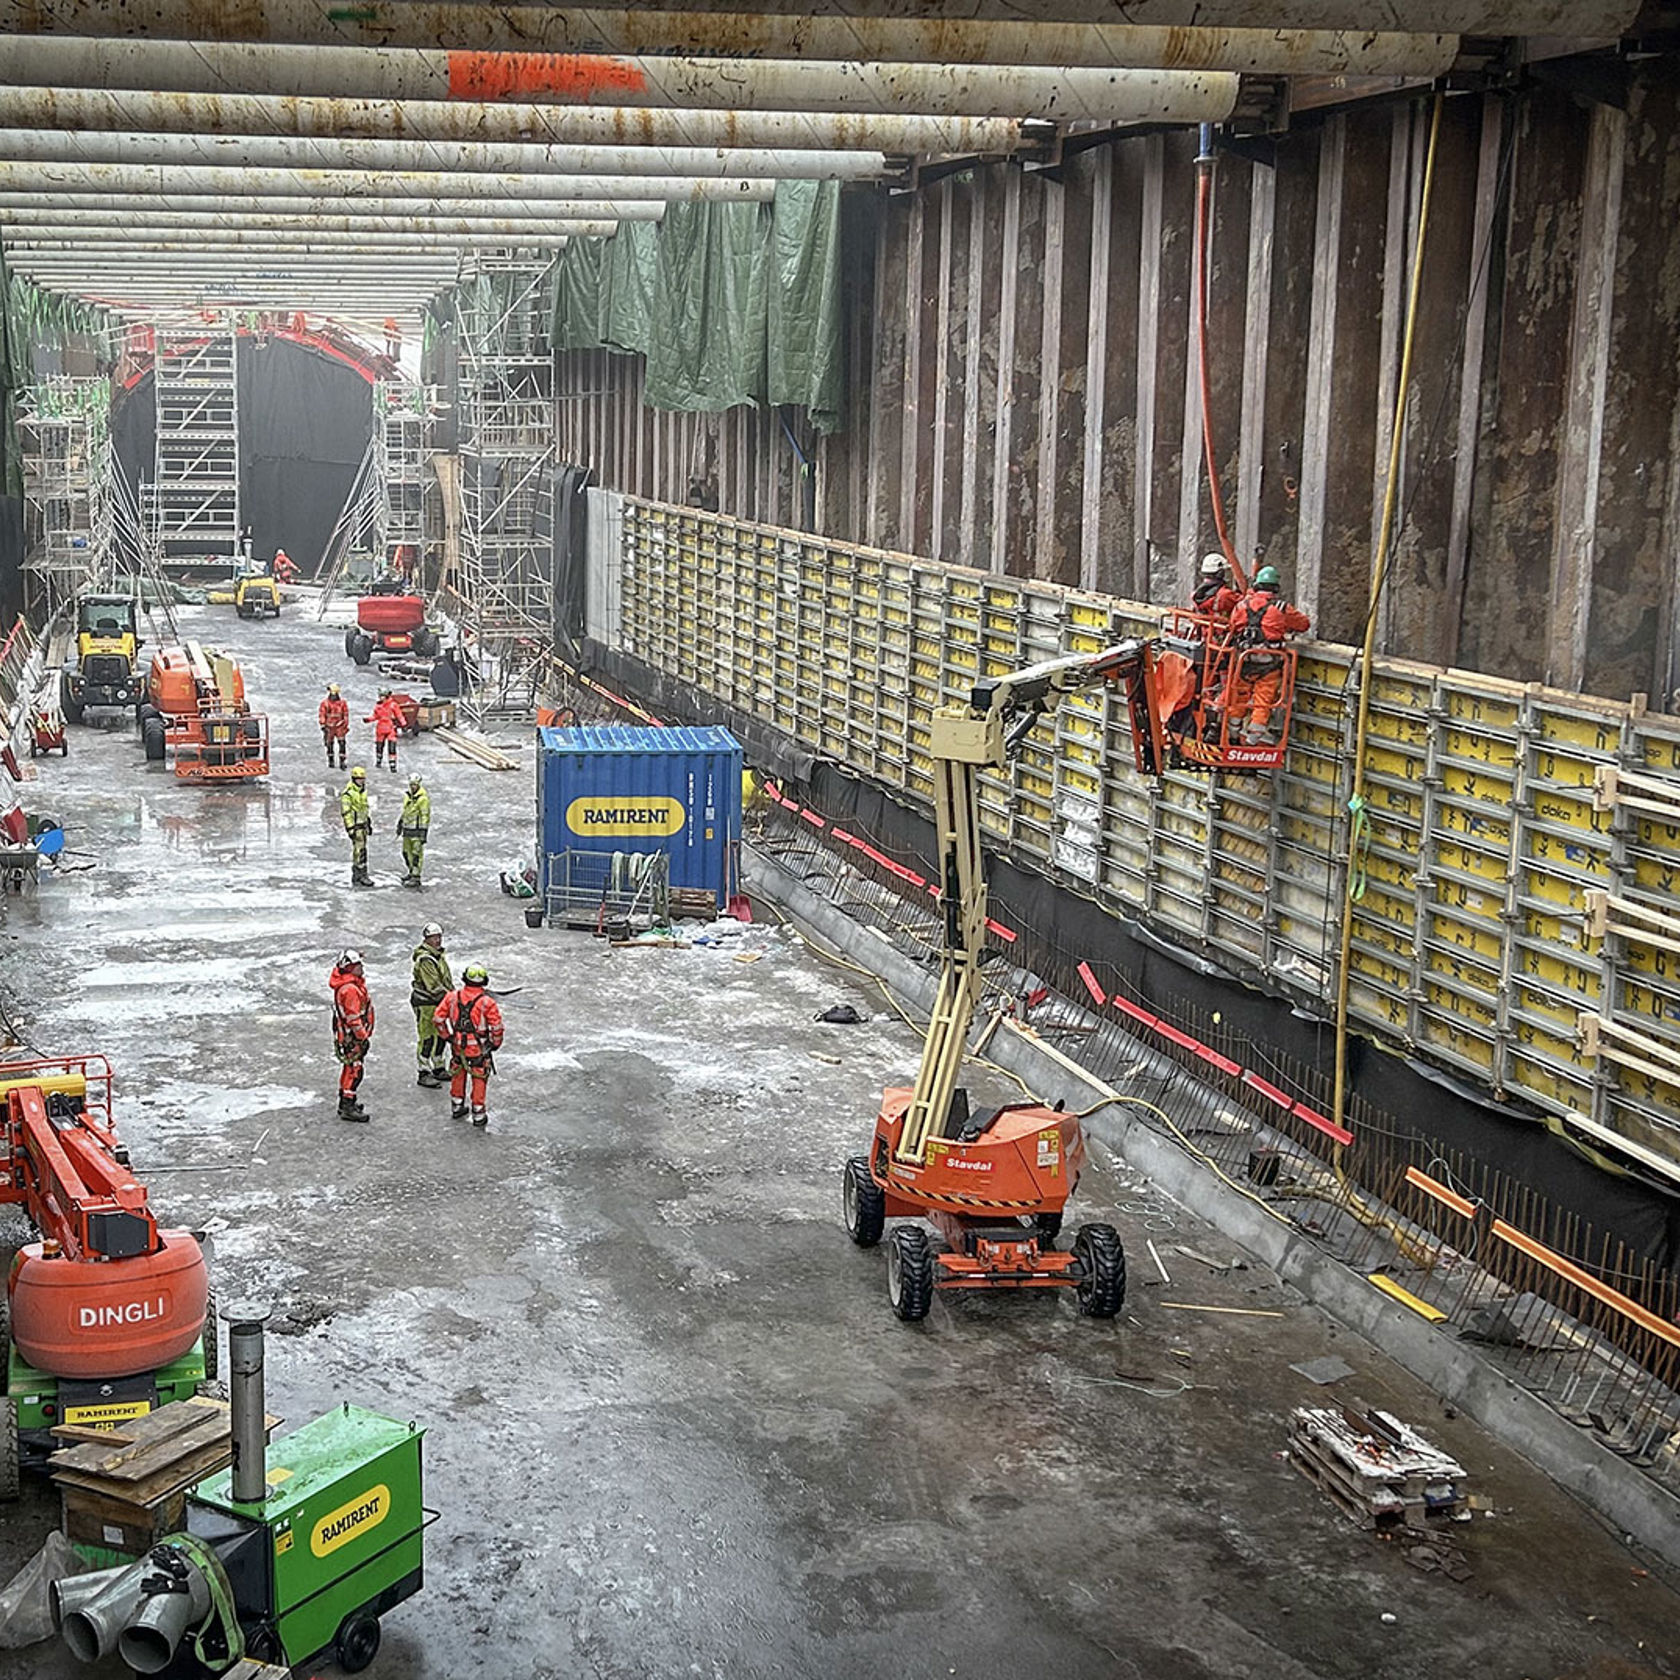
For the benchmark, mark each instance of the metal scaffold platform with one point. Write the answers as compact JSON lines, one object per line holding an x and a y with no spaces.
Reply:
{"x":506,"y":418}
{"x":64,"y":429}
{"x":192,"y":502}
{"x":401,"y":414}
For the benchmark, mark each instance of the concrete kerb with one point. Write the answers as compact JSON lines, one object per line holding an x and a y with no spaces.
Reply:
{"x":1637,"y":1506}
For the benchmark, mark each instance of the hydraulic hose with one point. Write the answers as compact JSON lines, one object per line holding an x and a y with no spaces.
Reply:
{"x":1204,"y":230}
{"x":1379,"y":571}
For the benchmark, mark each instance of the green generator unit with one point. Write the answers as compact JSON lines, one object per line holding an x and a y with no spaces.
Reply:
{"x":304,"y":1571}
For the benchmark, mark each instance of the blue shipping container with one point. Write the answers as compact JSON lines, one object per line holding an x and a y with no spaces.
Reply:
{"x":620,"y":789}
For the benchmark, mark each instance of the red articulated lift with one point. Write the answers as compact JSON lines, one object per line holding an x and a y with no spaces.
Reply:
{"x":108,"y":1312}
{"x":993,"y":1185}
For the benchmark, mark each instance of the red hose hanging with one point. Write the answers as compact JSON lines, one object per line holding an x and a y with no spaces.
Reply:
{"x":1204,"y":220}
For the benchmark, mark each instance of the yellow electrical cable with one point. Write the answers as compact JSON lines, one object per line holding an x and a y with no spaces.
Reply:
{"x":1378,"y":572}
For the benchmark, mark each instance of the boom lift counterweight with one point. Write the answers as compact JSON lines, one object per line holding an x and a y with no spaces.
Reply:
{"x":993,"y":1185}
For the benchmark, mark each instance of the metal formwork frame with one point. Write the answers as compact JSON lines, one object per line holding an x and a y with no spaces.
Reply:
{"x":193,"y":498}
{"x":1480,"y":942}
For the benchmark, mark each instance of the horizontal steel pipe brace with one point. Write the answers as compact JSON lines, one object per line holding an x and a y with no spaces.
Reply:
{"x":153,"y":206}
{"x":36,"y":91}
{"x":677,"y":83}
{"x":38,"y":224}
{"x":783,"y":32}
{"x":689,"y":164}
{"x":60,"y":239}
{"x":168,"y":180}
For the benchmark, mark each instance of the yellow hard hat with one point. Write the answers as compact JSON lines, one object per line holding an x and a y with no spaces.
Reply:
{"x":332,"y":688}
{"x":359,"y":774}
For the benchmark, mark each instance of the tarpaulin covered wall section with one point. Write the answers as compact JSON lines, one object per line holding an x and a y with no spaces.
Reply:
{"x":304,"y":424}
{"x":731,"y":304}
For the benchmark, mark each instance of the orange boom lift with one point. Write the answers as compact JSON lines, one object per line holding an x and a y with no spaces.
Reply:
{"x":195,"y":703}
{"x":992,"y":1185}
{"x":107,"y":1310}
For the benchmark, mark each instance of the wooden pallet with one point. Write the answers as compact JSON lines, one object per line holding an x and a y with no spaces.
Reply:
{"x":1380,"y":1471}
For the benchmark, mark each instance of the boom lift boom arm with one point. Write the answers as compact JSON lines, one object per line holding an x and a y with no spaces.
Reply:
{"x":962,"y":740}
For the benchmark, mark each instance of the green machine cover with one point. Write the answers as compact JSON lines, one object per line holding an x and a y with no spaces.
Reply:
{"x":344,"y":1516}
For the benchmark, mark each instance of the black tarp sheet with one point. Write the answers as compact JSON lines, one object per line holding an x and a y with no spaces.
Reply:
{"x":305,"y":419}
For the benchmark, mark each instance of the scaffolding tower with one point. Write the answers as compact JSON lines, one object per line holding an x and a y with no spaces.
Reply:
{"x":505,"y":411}
{"x":400,"y":427}
{"x":192,"y":501}
{"x":64,"y":434}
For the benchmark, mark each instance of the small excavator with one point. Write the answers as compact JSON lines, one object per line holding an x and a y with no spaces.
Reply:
{"x":992,"y":1184}
{"x":108,"y":1314}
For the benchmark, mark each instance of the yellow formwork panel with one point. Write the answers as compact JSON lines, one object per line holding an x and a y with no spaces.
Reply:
{"x":1484,"y":838}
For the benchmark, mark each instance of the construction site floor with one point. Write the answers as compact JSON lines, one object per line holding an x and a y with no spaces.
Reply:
{"x":673,"y":1427}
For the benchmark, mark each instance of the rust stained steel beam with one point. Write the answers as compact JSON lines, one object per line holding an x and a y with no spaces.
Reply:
{"x":74,"y":204}
{"x":73,"y":240}
{"x":691,"y":164}
{"x":232,"y":179}
{"x":1071,"y":34}
{"x":22,"y":225}
{"x":84,"y":86}
{"x":1059,"y":92}
{"x":37,"y":220}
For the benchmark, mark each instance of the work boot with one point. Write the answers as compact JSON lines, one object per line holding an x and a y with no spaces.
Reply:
{"x":458,"y":1109}
{"x":481,"y":1117}
{"x":350,"y":1109}
{"x":430,"y":1078}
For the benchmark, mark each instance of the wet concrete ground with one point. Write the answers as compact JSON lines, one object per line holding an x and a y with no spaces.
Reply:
{"x":673,"y":1428}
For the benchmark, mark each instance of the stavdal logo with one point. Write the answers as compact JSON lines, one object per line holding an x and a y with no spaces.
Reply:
{"x":611,"y":814}
{"x":349,"y":1522}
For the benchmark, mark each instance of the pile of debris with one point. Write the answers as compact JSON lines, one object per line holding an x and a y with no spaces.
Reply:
{"x":1380,"y":1471}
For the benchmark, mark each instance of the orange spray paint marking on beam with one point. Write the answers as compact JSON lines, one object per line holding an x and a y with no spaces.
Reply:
{"x":580,"y":76}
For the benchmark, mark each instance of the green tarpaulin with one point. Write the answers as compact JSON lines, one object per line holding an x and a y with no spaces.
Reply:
{"x":730,"y":303}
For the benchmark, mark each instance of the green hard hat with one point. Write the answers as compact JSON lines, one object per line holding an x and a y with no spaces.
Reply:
{"x":1266,"y":578}
{"x":476,"y":974}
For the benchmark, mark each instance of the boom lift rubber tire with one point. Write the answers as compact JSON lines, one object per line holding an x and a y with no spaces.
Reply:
{"x":362,"y":651}
{"x":426,"y":642}
{"x":351,"y":637}
{"x":72,"y":708}
{"x":1101,"y":1292}
{"x":154,"y":735}
{"x":910,"y":1273}
{"x":357,"y":1643}
{"x":11,"y":1476}
{"x":864,"y":1202}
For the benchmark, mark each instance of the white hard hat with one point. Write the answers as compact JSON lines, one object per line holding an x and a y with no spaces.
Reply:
{"x":431,"y":931}
{"x":350,"y":959}
{"x":1213,"y":565}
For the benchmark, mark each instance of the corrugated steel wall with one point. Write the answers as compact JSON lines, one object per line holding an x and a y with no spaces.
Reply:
{"x":1023,"y":395}
{"x":1473,"y":944}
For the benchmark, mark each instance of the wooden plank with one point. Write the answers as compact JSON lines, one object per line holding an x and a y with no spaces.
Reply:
{"x":1251,"y":427}
{"x":1148,"y":335}
{"x":1096,"y":371}
{"x":1003,"y":441}
{"x":1321,"y":350}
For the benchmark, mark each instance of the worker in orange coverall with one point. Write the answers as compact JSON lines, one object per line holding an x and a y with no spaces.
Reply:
{"x":352,"y":1031}
{"x":1259,"y":623}
{"x":386,"y":718}
{"x":335,"y":725}
{"x":471,"y":1024}
{"x":285,"y":567}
